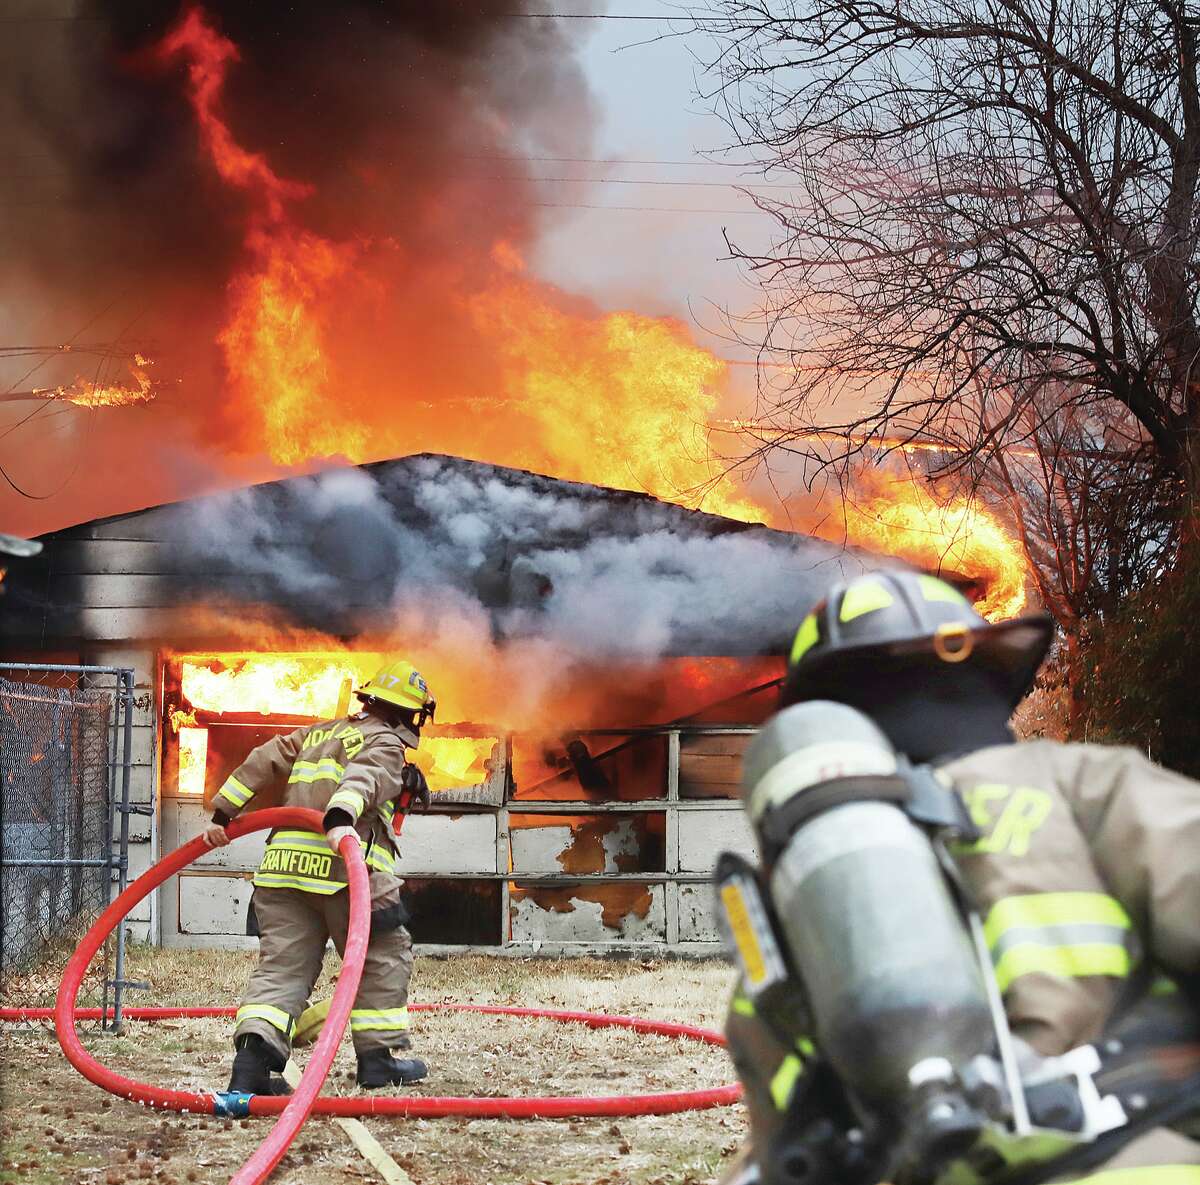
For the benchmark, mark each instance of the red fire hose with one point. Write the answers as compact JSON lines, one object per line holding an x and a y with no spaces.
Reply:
{"x":305,"y":1101}
{"x":270,"y":1151}
{"x":295,"y":1109}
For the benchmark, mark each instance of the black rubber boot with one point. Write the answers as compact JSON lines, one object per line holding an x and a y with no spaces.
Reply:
{"x":252,"y":1066}
{"x":379,"y":1068}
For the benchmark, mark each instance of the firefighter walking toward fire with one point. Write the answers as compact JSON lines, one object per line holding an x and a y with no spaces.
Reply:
{"x":963,"y":959}
{"x":354,"y":770}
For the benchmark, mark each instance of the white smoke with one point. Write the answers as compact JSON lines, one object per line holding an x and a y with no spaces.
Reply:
{"x":525,"y":559}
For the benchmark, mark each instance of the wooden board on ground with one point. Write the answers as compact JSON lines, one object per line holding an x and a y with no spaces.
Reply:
{"x":373,"y":1152}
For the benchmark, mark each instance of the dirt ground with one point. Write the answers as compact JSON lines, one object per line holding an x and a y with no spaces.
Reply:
{"x":56,"y":1127}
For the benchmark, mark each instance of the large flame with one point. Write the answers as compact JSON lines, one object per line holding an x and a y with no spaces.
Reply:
{"x":312,"y":684}
{"x":957,"y":536}
{"x":618,"y":399}
{"x":317,"y":685}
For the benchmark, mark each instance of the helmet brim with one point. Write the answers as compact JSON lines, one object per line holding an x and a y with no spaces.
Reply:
{"x":1010,"y":651}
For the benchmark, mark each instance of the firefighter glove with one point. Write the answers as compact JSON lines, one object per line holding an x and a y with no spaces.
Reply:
{"x":335,"y":835}
{"x":415,"y":782}
{"x":215,"y":835}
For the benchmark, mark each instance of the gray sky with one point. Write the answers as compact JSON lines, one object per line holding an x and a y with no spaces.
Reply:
{"x":662,"y":260}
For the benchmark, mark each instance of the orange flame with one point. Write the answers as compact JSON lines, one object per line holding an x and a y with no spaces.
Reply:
{"x":960,"y":536}
{"x":86,"y":393}
{"x":622,"y":399}
{"x":314,"y":685}
{"x":296,"y":684}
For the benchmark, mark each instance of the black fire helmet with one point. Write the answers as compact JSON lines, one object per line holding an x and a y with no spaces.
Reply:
{"x":911,"y":652}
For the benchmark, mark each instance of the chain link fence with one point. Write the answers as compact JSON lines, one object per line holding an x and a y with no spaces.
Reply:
{"x":65,"y":759}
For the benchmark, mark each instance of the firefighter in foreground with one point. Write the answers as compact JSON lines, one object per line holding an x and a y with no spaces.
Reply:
{"x":963,"y":959}
{"x":353,"y":770}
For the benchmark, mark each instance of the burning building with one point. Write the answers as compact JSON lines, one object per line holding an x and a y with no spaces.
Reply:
{"x":600,"y":659}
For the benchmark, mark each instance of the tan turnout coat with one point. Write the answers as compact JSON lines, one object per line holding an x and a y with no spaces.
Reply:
{"x":1087,"y":878}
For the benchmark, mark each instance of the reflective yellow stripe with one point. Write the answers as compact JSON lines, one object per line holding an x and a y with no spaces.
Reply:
{"x":1165,"y":1174}
{"x":1040,"y":910}
{"x":743,"y":1006}
{"x":864,"y":596}
{"x":1064,"y":934}
{"x":381,"y":860}
{"x":1069,"y":962}
{"x":349,"y":800}
{"x":807,"y":637}
{"x":276,"y":1017}
{"x":277,"y":880}
{"x":299,"y":860}
{"x":325,"y":770}
{"x":326,"y":764}
{"x":377,"y":856}
{"x":308,"y":777}
{"x":301,"y":839}
{"x":365,"y":1019}
{"x":388,"y":811}
{"x":933,"y":589}
{"x":785,"y":1080}
{"x":236,"y":792}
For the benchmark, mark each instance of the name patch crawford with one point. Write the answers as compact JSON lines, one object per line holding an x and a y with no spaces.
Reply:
{"x":299,"y":863}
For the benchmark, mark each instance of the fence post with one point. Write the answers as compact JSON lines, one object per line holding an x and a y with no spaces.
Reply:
{"x":126,"y":678}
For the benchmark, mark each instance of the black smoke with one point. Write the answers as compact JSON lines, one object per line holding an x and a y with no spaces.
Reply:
{"x":410,"y":121}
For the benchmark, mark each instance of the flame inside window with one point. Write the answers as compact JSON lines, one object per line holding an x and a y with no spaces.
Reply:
{"x":316,"y":685}
{"x":193,"y":757}
{"x":306,"y":684}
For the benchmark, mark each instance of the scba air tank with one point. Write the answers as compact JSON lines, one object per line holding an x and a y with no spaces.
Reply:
{"x":865,"y":910}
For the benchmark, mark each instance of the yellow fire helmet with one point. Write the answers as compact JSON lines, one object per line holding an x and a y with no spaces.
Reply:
{"x":400,"y":683}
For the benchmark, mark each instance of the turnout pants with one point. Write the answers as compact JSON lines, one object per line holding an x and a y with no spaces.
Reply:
{"x":294,"y":927}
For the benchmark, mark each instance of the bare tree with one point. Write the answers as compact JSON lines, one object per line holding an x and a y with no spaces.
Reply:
{"x":991,"y":244}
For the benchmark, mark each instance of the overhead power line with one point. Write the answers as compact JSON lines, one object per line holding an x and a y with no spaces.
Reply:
{"x":639,"y":209}
{"x":752,"y":185}
{"x":516,"y":156}
{"x":696,"y":22}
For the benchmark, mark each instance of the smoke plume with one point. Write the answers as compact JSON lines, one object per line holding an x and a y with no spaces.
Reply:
{"x":528,"y":602}
{"x":590,"y":573}
{"x":403,"y":125}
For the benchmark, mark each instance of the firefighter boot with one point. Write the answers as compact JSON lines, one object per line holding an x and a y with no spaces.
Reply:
{"x":252,"y":1066}
{"x":378,"y":1068}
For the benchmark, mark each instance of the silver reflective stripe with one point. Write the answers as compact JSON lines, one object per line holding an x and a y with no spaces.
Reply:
{"x":1063,"y":934}
{"x":815,"y":764}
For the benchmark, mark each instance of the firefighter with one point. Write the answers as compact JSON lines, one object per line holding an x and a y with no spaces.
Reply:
{"x":354,"y":771}
{"x":891,"y":805}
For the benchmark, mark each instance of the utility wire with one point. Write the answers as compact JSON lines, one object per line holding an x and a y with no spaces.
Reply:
{"x":635,"y":181}
{"x":554,"y":205}
{"x":747,"y":186}
{"x":567,"y":160}
{"x":641,"y":209}
{"x":526,"y":16}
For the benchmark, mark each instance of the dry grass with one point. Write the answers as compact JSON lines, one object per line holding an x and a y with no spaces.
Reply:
{"x":56,"y":1127}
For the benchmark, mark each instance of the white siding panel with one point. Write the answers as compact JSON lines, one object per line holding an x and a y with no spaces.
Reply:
{"x":697,"y":922}
{"x":116,"y":591}
{"x":444,"y":843}
{"x":213,"y":904}
{"x":583,"y":921}
{"x":189,"y":818}
{"x":704,"y":835}
{"x":117,"y":624}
